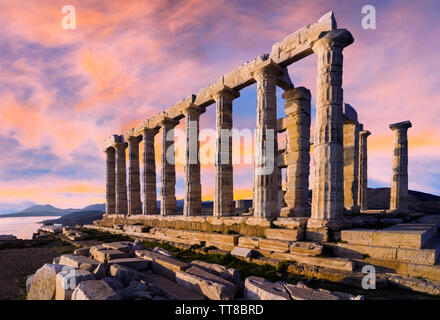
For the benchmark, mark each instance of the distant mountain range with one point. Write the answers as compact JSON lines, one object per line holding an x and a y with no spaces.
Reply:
{"x":378,"y":198}
{"x":49,"y":210}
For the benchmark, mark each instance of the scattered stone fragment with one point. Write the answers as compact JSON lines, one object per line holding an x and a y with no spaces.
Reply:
{"x":162,"y":251}
{"x":256,"y":288}
{"x":242,"y":252}
{"x":211,"y":290}
{"x":134,"y":263}
{"x":94,"y":290}
{"x":44,"y":282}
{"x":82,"y":252}
{"x":67,"y":280}
{"x":79,"y":262}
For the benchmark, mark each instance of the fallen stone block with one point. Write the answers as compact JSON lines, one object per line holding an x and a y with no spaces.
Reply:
{"x":114,"y":283}
{"x":43,"y":284}
{"x":134,"y":290}
{"x":229,"y":274}
{"x":94,"y":290}
{"x":212,"y":290}
{"x":134,"y":263}
{"x":256,"y":288}
{"x":82,"y":252}
{"x":300,"y":292}
{"x":170,"y":289}
{"x":125,"y":274}
{"x":121,"y":246}
{"x":306,"y":248}
{"x":79,"y":262}
{"x":242,"y":252}
{"x":101,"y":271}
{"x":202,"y":273}
{"x":163,"y":265}
{"x":67,"y":280}
{"x":162,"y":251}
{"x":103,"y":255}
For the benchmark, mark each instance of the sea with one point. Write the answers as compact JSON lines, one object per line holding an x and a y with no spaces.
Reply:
{"x":22,"y":227}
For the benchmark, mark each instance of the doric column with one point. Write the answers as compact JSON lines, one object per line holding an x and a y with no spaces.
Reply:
{"x":297,"y":109}
{"x":363,"y":171}
{"x":110,"y":191}
{"x":351,"y":165}
{"x":134,"y":186}
{"x":121,"y":178}
{"x":399,"y":182}
{"x":149,"y":174}
{"x":265,"y":202}
{"x":168,"y":177}
{"x":328,"y":183}
{"x":223,"y":180}
{"x":193,"y":189}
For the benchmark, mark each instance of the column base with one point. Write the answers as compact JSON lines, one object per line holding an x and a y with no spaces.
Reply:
{"x":295,"y":212}
{"x":323,"y":230}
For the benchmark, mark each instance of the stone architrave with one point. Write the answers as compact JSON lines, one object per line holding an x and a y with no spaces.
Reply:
{"x":328,"y":182}
{"x":121,"y":178}
{"x":110,"y":181}
{"x":149,"y":173}
{"x":193,"y":189}
{"x":265,"y":202}
{"x":224,"y":182}
{"x":363,"y":170}
{"x":134,"y":186}
{"x":297,"y":109}
{"x":168,"y":177}
{"x":399,"y":182}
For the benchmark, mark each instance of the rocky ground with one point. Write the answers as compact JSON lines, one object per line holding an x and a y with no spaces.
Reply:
{"x":140,"y":276}
{"x":17,"y":263}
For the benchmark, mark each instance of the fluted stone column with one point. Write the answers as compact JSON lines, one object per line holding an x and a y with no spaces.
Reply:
{"x":297,"y":109}
{"x":193,"y":188}
{"x":149,"y":173}
{"x":121,"y":179}
{"x":168,"y":178}
{"x":265,"y":200}
{"x":399,"y":182}
{"x":110,"y":191}
{"x":363,"y":170}
{"x":328,"y":184}
{"x":351,"y":165}
{"x":223,"y":180}
{"x":134,"y":186}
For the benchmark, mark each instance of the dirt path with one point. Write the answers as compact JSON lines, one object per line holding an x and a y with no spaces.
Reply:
{"x":17,"y":264}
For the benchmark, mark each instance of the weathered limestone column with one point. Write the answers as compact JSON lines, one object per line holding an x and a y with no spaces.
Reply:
{"x":193,"y":188}
{"x":265,"y":202}
{"x":223,"y":180}
{"x":399,"y":182}
{"x":110,"y":191}
{"x":328,"y":184}
{"x":297,"y":109}
{"x":351,"y":165}
{"x":363,"y":170}
{"x":168,"y":178}
{"x":134,"y":186}
{"x":149,"y":173}
{"x":121,"y":178}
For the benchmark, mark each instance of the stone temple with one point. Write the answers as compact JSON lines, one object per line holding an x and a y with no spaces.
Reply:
{"x":281,"y":224}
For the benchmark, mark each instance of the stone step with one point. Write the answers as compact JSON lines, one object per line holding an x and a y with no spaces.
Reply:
{"x":428,"y":255}
{"x":407,"y":235}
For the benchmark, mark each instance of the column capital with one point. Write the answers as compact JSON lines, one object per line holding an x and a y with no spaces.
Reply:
{"x":193,"y":110}
{"x":339,"y":38}
{"x":364,"y":133}
{"x":149,"y":131}
{"x":404,"y":125}
{"x":225,"y":91}
{"x":121,"y":145}
{"x":110,"y":150}
{"x":265,"y":69}
{"x":168,"y":122}
{"x":134,"y":139}
{"x":300,"y":93}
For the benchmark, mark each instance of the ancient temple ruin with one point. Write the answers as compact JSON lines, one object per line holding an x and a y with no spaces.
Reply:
{"x":339,"y":146}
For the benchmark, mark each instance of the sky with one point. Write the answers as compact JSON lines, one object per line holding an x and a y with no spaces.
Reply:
{"x":63,"y":92}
